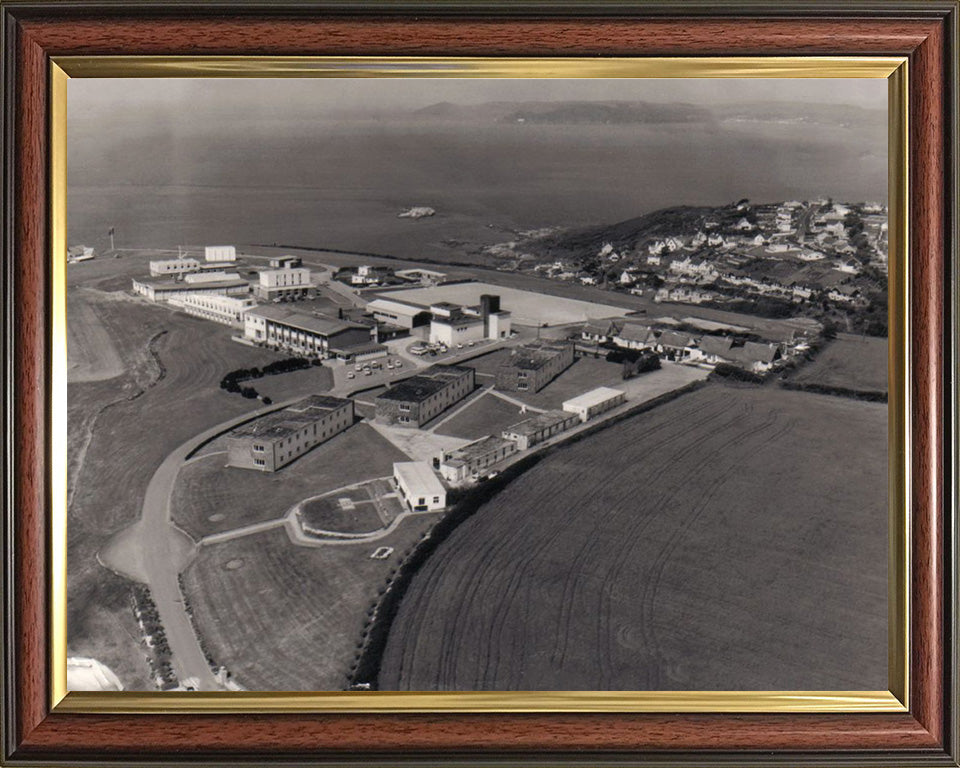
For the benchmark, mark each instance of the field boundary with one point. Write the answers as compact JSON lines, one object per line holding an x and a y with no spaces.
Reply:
{"x":867,"y":395}
{"x":375,"y":635}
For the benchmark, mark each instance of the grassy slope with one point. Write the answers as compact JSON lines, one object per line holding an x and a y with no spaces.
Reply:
{"x":852,"y":362}
{"x":129,"y":440}
{"x":734,"y":538}
{"x":290,"y":617}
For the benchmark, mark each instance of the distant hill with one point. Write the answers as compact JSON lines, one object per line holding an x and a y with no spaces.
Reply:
{"x":645,"y":112}
{"x":624,"y":234}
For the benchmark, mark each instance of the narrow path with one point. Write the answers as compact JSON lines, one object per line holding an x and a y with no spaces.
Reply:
{"x":236,"y":533}
{"x":515,"y":401}
{"x":468,"y":401}
{"x":155,"y":551}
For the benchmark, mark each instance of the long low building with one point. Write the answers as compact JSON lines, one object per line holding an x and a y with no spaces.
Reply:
{"x":474,"y":459}
{"x":273,"y":441}
{"x":419,"y":486}
{"x":595,"y":402}
{"x":540,"y":427}
{"x":173,"y":267}
{"x":165,"y":290}
{"x":402,"y":314}
{"x":300,"y":333}
{"x":228,"y":310}
{"x":415,"y":401}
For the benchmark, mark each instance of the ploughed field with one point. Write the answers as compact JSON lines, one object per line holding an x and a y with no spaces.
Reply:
{"x":734,"y":538}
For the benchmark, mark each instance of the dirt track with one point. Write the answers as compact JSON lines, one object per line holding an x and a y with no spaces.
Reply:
{"x":735,"y":538}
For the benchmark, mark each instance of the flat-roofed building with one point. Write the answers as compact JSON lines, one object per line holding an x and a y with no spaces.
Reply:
{"x":210,"y":276}
{"x":415,"y":401}
{"x":274,"y":440}
{"x":165,"y":290}
{"x":539,"y":427}
{"x":430,"y":276}
{"x":532,"y":366}
{"x":419,"y":486}
{"x":288,"y":282}
{"x":453,"y":324}
{"x":228,"y":310}
{"x":475,"y":459}
{"x":300,"y":333}
{"x":402,"y":314}
{"x":282,"y":262}
{"x":595,"y":402}
{"x":173,"y":267}
{"x":220,"y":253}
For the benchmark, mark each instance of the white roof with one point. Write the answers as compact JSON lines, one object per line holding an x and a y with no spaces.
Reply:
{"x":84,"y":674}
{"x":419,"y":477}
{"x":398,"y":307}
{"x":593,"y":397}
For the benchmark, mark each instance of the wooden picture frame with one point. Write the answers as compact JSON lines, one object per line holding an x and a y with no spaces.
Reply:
{"x":35,"y":33}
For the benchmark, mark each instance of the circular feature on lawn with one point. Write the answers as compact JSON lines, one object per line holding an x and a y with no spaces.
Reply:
{"x":349,"y":511}
{"x":233,"y":565}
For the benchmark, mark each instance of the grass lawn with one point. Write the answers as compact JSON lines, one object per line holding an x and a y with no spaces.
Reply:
{"x":733,"y":538}
{"x":585,"y":374}
{"x":210,"y":497}
{"x":852,"y":362}
{"x":282,"y":617}
{"x":329,"y":514}
{"x":486,"y":415}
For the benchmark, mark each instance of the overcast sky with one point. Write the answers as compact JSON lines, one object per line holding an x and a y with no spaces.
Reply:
{"x":381,"y":94}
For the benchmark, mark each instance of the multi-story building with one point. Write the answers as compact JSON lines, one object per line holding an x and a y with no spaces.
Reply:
{"x":532,"y":366}
{"x":595,"y":402}
{"x":228,"y":310}
{"x":273,"y":441}
{"x":173,"y":267}
{"x":475,"y":459}
{"x":287,"y":282}
{"x":163,"y":290}
{"x":302,"y":334}
{"x":453,"y":324}
{"x":221,"y":253}
{"x":419,"y":486}
{"x":415,"y":401}
{"x":540,"y":427}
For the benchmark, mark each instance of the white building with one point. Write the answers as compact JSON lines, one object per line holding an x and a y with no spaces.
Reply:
{"x":220,"y":253}
{"x":283,"y":283}
{"x":228,"y":310}
{"x":165,"y":290}
{"x":453,"y":324}
{"x":419,"y":486}
{"x":595,"y":402}
{"x":173,"y":267}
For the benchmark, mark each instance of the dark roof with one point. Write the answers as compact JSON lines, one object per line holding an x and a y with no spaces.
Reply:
{"x":675,"y":339}
{"x":291,"y":419}
{"x":754,"y":352}
{"x":715,"y":345}
{"x":539,"y":422}
{"x":635,"y":332}
{"x":427,"y":382}
{"x":603,"y":327}
{"x":322,"y":326}
{"x":533,"y":355}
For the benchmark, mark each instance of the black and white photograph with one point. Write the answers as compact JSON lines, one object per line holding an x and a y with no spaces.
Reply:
{"x":477,"y":384}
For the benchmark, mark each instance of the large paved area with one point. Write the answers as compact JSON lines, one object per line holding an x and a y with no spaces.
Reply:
{"x":734,"y":538}
{"x":526,"y":307}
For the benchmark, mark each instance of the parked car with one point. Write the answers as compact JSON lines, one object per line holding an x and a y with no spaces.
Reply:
{"x":351,"y":375}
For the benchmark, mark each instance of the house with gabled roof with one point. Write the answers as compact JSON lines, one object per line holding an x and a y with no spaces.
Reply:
{"x":635,"y":336}
{"x":676,"y":345}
